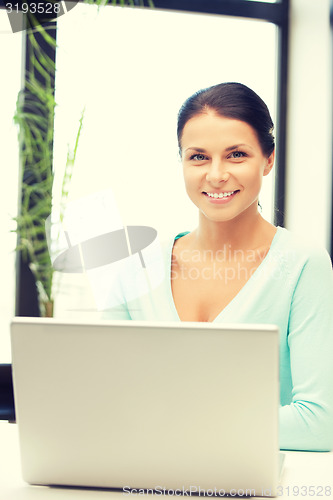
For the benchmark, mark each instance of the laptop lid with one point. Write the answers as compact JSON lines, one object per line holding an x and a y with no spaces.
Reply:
{"x":147,"y":405}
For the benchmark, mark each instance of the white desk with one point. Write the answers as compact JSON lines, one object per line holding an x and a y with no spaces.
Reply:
{"x":301,"y":469}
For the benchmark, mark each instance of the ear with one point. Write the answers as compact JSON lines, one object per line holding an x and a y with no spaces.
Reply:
{"x":269,"y":164}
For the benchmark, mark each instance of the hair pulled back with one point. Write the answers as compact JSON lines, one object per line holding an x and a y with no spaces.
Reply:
{"x":231,"y":100}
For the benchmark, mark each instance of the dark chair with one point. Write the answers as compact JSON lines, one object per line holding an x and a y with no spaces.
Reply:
{"x":7,"y":406}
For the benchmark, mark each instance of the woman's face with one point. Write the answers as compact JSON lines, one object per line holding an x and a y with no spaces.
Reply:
{"x":223,"y":165}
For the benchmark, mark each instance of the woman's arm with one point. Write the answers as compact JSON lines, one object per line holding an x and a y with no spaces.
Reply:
{"x":307,"y":423}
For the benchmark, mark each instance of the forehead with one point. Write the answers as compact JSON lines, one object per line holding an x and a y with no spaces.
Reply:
{"x":212,"y":130}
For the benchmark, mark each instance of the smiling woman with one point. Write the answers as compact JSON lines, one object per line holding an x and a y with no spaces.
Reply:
{"x":225,"y":136}
{"x":232,"y":155}
{"x":236,"y":267}
{"x":234,"y":130}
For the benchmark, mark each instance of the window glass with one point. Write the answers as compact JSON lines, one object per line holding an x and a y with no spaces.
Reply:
{"x":10,"y":61}
{"x":131,"y":69}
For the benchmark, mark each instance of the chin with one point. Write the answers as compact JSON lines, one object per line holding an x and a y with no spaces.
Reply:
{"x":218,"y":218}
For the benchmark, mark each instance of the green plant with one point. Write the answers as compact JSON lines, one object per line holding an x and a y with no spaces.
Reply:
{"x":35,"y":119}
{"x":37,"y":182}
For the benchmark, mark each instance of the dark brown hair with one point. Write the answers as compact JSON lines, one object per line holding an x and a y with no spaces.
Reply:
{"x":231,"y":100}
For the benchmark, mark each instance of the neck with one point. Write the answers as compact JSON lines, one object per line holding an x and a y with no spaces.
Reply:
{"x":242,"y":232}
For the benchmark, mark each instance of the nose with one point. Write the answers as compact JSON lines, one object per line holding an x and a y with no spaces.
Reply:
{"x":217,"y":172}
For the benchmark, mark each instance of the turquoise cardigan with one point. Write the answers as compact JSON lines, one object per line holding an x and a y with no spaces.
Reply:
{"x":292,"y":288}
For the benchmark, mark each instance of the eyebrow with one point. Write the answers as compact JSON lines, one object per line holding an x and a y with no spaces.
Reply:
{"x":199,"y":150}
{"x":230,"y":148}
{"x":237,"y":146}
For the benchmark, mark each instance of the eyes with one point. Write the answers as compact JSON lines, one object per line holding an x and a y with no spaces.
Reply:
{"x":234,"y":155}
{"x":198,"y":157}
{"x":237,"y":154}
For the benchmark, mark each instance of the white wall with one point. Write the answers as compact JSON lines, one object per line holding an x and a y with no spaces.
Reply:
{"x":309,"y":121}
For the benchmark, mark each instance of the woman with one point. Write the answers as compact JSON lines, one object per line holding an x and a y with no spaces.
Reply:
{"x":237,"y":267}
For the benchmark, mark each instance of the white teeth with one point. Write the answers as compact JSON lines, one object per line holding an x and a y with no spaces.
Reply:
{"x":220,"y":195}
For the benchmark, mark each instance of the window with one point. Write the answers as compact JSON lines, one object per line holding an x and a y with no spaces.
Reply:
{"x":132,"y":73}
{"x":10,"y":61}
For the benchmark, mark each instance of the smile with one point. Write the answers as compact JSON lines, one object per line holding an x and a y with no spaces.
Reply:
{"x":220,"y":195}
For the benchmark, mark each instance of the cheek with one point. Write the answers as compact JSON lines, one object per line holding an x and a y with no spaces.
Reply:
{"x":253,"y":176}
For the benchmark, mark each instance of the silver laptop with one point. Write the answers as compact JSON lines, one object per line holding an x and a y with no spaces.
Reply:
{"x":182,"y":407}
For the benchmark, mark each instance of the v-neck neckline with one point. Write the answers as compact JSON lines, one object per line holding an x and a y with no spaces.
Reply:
{"x":253,"y":277}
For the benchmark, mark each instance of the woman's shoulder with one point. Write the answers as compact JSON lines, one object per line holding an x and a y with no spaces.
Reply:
{"x":298,"y":248}
{"x":168,"y":242}
{"x":180,"y":235}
